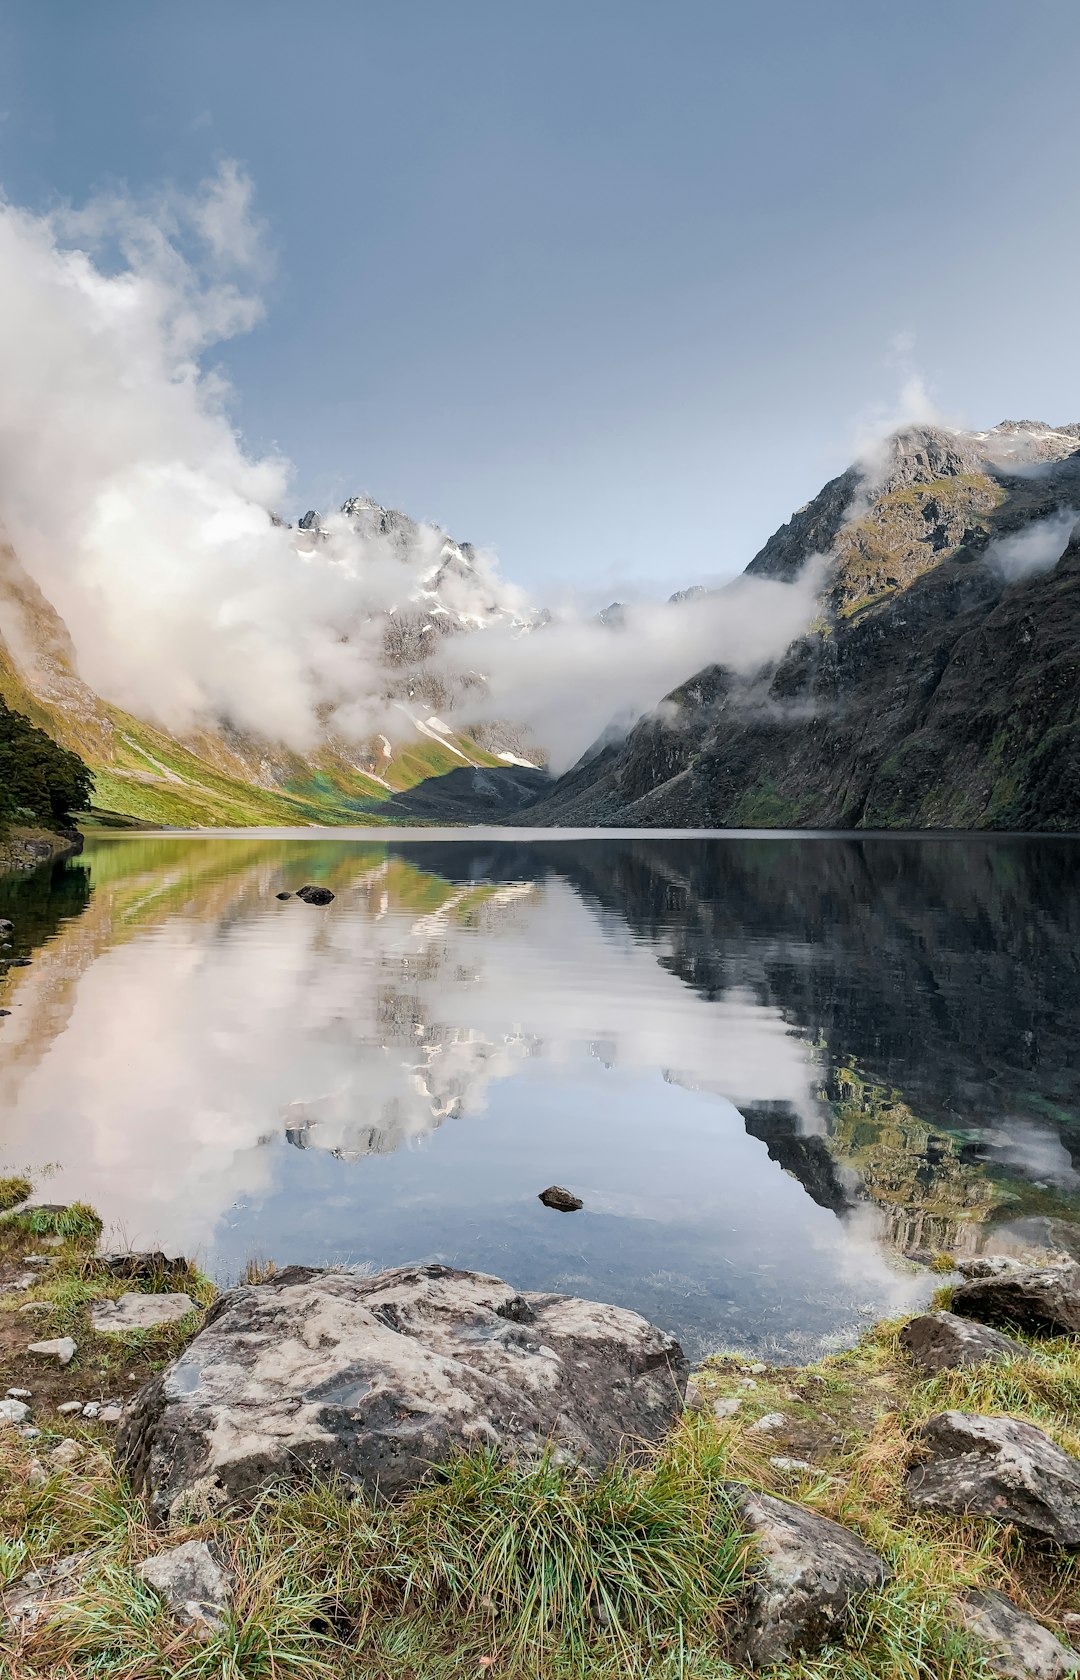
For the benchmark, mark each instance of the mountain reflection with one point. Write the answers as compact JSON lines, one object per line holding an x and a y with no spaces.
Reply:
{"x":885,"y":1022}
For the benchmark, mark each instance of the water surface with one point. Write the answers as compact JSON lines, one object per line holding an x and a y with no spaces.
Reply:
{"x":774,"y":1068}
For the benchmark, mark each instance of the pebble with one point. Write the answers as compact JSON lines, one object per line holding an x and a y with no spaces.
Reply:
{"x":36,"y":1306}
{"x":748,"y":1382}
{"x":24,"y":1282}
{"x":110,"y":1414}
{"x":765,"y":1425}
{"x":798,"y":1464}
{"x":36,"y":1475}
{"x":62,"y":1348}
{"x":37,"y":1259}
{"x":13,"y":1411}
{"x":757,"y":1368}
{"x":30,"y":1434}
{"x":19,"y":1394}
{"x":91,"y":1409}
{"x":67,"y":1454}
{"x":69,"y":1407}
{"x":728,"y":1406}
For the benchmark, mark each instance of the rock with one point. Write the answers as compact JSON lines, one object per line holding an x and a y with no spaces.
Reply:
{"x":376,"y":1379}
{"x":52,"y":1242}
{"x":807,"y":1573}
{"x":1016,"y":1645}
{"x":693,"y":1399}
{"x":138,"y":1312}
{"x":110,"y":1414}
{"x":37,"y":1260}
{"x":19,"y":1394}
{"x":1044,"y":1300}
{"x":563,"y":1200}
{"x":13,"y":1411}
{"x":6,"y":927}
{"x":283,"y":895}
{"x":37,"y":1306}
{"x":30,"y":1599}
{"x":62,"y":1348}
{"x":998,"y":1467}
{"x":25,"y":1281}
{"x":316,"y":895}
{"x":67,"y":1454}
{"x":36,"y":1473}
{"x":765,"y":1425}
{"x":70,"y":1407}
{"x":728,"y":1406}
{"x":795,"y":1465}
{"x":191,"y":1582}
{"x":758,"y":1368}
{"x":142,"y":1265}
{"x":30,"y":1434}
{"x":940,"y":1341}
{"x":91,"y":1409}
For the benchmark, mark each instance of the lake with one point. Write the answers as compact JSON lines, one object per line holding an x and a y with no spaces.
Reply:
{"x":783,"y":1072}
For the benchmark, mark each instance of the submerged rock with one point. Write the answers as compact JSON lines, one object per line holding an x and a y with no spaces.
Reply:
{"x":377,"y":1379}
{"x":807,"y":1573}
{"x":998,"y":1467}
{"x":191,"y":1582}
{"x":940,"y":1341}
{"x":283,"y":895}
{"x":564,"y":1201}
{"x":136,"y":1311}
{"x":1015,"y":1644}
{"x":316,"y":895}
{"x":1044,"y":1300}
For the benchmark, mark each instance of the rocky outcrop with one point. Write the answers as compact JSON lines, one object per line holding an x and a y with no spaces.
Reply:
{"x":30,"y":848}
{"x":138,"y":1311}
{"x":377,"y":1379}
{"x":940,"y":1341}
{"x":1043,"y":1300}
{"x":997,"y":1467}
{"x":806,"y":1573}
{"x":1013,"y":1643}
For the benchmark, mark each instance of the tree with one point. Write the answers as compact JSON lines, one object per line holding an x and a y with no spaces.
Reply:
{"x":40,"y":782}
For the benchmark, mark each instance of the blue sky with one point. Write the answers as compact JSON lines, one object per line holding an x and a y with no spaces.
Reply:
{"x":612,"y":287}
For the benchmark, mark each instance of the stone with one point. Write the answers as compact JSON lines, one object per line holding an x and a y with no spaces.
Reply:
{"x":25,"y":1280}
{"x":37,"y":1260}
{"x":564,"y":1201}
{"x":13,"y":1411}
{"x":693,"y":1399}
{"x":997,"y":1467}
{"x":110,"y":1414}
{"x":1015,"y":1644}
{"x":91,"y":1409}
{"x":728,"y":1406}
{"x":19,"y":1394}
{"x":940,"y":1341}
{"x":70,"y":1407}
{"x":1043,"y":1300}
{"x":135,"y":1311}
{"x":67,"y":1454}
{"x":31,"y":1434}
{"x":31,"y":1598}
{"x":807,"y":1573}
{"x":767,"y":1424}
{"x":6,"y":927}
{"x":376,"y":1379}
{"x":62,"y":1348}
{"x":796,"y":1465}
{"x":191,"y":1581}
{"x":141,"y":1265}
{"x":283,"y":895}
{"x":316,"y":895}
{"x":36,"y":1473}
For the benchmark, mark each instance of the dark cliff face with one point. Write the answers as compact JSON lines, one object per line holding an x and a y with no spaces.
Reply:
{"x":936,"y":689}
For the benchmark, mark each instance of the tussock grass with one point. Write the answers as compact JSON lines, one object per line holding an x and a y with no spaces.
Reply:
{"x":13,"y":1190}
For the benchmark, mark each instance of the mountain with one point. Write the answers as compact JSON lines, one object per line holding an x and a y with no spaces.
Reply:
{"x":938,"y":686}
{"x":219,"y":775}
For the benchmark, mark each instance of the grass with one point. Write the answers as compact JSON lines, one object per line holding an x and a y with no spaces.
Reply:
{"x":534,"y":1569}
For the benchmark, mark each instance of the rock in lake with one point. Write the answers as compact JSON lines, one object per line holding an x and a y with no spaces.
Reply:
{"x":191,"y":1582}
{"x":998,"y":1467}
{"x":940,"y":1341}
{"x":316,"y":895}
{"x":1043,"y":1300}
{"x":564,"y":1201}
{"x":806,"y":1576}
{"x":136,"y":1311}
{"x":377,"y":1379}
{"x":62,"y":1348}
{"x":1015,"y":1644}
{"x":283,"y":895}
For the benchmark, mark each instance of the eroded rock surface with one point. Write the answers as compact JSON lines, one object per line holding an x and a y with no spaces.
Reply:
{"x":376,"y":1379}
{"x":1043,"y":1300}
{"x":998,"y":1467}
{"x":1015,"y":1644}
{"x":808,"y":1573}
{"x":940,"y":1341}
{"x":191,"y":1582}
{"x":35,"y":1595}
{"x":136,"y":1311}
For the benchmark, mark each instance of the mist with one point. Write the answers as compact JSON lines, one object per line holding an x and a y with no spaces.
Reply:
{"x":131,"y":500}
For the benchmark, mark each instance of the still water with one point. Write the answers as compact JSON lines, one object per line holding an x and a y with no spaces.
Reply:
{"x":777,"y":1070}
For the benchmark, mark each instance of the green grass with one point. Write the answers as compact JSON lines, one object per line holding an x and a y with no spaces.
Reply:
{"x":13,"y":1190}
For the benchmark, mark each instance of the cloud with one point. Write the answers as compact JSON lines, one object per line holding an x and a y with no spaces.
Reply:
{"x":1036,"y":548}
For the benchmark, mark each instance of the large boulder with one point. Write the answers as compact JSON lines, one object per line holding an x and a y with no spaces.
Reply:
{"x":998,"y":1467}
{"x":376,"y":1379}
{"x":940,"y":1341}
{"x":1043,"y":1300}
{"x":1013,"y":1643}
{"x":807,"y":1573}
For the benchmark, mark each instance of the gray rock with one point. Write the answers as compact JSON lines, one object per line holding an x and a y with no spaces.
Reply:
{"x":30,"y":1434}
{"x":1043,"y":1300}
{"x":767,"y":1424}
{"x":191,"y":1582}
{"x":70,"y":1407}
{"x":6,"y":926}
{"x":111,"y":1414}
{"x":13,"y":1411}
{"x":376,"y":1379}
{"x":998,"y":1467}
{"x":66,"y":1454}
{"x":940,"y":1341}
{"x":727,"y":1406}
{"x":135,"y":1311}
{"x":19,"y":1394}
{"x":140,"y":1265}
{"x":564,"y":1201}
{"x":316,"y":895}
{"x":62,"y":1348}
{"x":1015,"y":1644}
{"x":807,"y":1573}
{"x":31,"y":1598}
